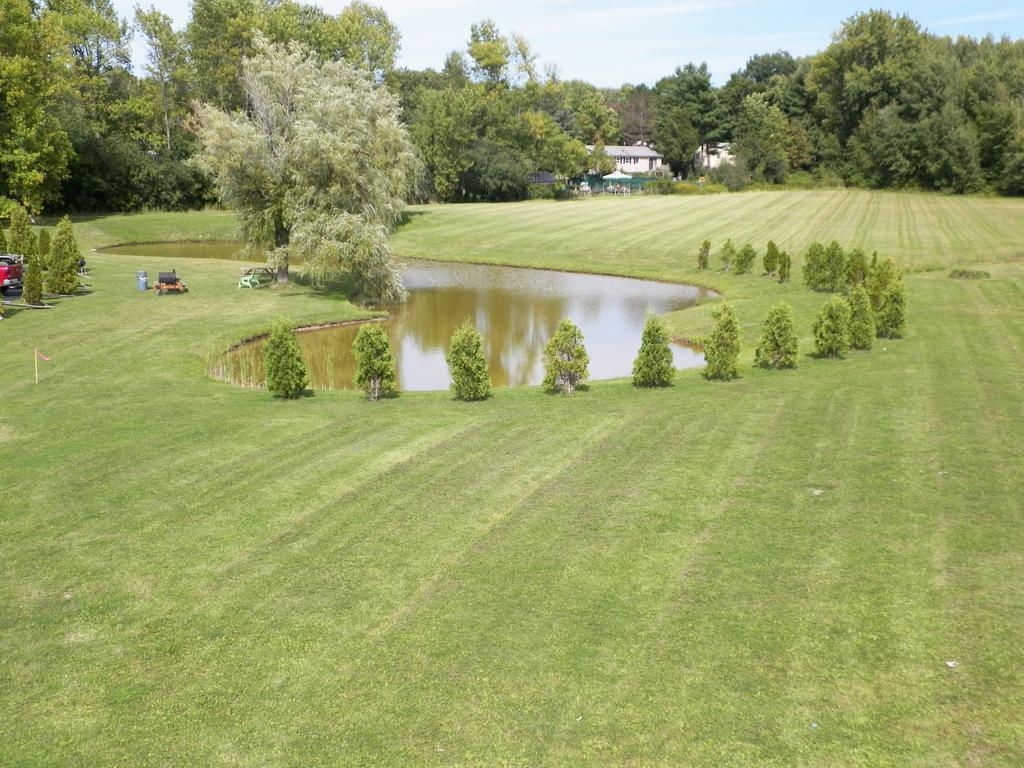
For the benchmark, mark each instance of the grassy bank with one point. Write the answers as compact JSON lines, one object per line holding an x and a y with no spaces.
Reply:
{"x":658,"y":237}
{"x":773,"y":571}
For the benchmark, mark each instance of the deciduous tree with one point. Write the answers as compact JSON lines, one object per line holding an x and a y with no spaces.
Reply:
{"x":761,"y":137}
{"x":316,"y":168}
{"x":490,"y":52}
{"x":599,"y":160}
{"x":166,"y":66}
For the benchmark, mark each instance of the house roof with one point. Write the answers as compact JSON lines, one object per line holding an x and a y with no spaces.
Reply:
{"x":629,"y":150}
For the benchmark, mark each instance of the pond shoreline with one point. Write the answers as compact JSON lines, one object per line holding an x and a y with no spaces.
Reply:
{"x":399,"y":259}
{"x":191,"y":241}
{"x":626,"y":276}
{"x":306,"y":328}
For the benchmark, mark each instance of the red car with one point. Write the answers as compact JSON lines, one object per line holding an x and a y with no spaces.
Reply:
{"x":10,"y":272}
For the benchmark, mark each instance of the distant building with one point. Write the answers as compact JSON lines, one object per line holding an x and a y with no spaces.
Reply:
{"x":634,"y":158}
{"x":710,"y":156}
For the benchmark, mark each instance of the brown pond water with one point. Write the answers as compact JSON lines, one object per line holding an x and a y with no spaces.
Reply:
{"x":516,"y":311}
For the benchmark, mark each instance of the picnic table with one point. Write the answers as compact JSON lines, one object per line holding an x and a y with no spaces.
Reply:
{"x":251,"y":276}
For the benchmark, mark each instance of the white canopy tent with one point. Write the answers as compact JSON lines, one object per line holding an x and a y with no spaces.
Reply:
{"x":617,"y":175}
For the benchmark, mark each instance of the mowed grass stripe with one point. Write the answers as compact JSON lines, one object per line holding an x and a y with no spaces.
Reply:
{"x":918,"y":229}
{"x":531,"y":574}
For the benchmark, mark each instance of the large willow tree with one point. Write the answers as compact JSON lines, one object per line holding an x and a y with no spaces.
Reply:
{"x":317,"y":166}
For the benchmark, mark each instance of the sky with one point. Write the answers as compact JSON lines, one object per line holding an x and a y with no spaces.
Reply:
{"x":608,"y":42}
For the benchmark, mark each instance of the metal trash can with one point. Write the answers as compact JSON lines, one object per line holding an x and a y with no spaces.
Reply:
{"x":142,"y":280}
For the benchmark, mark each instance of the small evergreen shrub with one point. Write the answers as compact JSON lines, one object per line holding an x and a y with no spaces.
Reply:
{"x":862,"y":318}
{"x":376,"y":374}
{"x":62,"y":276}
{"x":892,"y":311}
{"x":832,"y":329}
{"x":772,"y":258}
{"x":32,"y":288}
{"x":654,"y":366}
{"x":778,"y":345}
{"x":727,"y":255}
{"x":468,"y":365}
{"x":745,"y":259}
{"x":814,"y":271}
{"x":283,"y":366}
{"x":22,"y":241}
{"x":704,"y":255}
{"x":565,"y":359}
{"x":785,"y":265}
{"x":722,"y":346}
{"x":856,"y":267}
{"x":881,"y":274}
{"x":43,"y":248}
{"x":835,"y":268}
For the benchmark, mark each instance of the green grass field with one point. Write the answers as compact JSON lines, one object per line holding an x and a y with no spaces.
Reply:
{"x":773,"y":571}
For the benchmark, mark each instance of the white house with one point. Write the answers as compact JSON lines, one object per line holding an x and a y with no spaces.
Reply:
{"x":710,"y":156}
{"x":635,"y":158}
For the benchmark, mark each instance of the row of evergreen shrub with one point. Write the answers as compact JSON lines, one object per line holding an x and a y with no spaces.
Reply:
{"x":843,"y":323}
{"x":830,"y":268}
{"x":566,"y":362}
{"x":776,"y":263}
{"x":875,"y":307}
{"x":49,"y":265}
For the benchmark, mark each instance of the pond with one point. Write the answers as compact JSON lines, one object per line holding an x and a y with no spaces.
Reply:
{"x":200,"y":249}
{"x":516,"y":311}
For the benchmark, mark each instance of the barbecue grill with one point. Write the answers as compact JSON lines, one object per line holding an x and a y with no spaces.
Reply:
{"x":169,"y":283}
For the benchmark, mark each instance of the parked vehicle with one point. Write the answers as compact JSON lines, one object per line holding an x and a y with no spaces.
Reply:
{"x":10,"y":272}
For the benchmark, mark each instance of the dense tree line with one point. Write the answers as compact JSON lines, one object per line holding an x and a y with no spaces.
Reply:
{"x":886,"y":104}
{"x":80,"y":130}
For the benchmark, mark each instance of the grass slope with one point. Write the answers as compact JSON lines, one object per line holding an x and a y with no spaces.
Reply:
{"x":196,"y":574}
